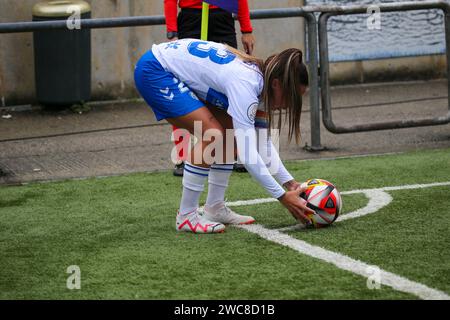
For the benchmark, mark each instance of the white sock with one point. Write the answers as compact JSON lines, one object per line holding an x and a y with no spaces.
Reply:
{"x":219,"y":175}
{"x":193,"y":184}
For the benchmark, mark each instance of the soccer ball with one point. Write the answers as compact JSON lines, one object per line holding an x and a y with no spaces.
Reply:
{"x":323,"y":197}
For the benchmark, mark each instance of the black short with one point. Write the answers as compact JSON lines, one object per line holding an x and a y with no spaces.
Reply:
{"x":221,"y":25}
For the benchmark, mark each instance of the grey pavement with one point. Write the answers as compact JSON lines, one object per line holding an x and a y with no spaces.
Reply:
{"x":118,"y":138}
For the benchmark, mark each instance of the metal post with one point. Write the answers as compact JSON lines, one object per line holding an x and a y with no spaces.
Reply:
{"x":313,"y":64}
{"x":314,"y":84}
{"x":325,"y":72}
{"x":328,"y":12}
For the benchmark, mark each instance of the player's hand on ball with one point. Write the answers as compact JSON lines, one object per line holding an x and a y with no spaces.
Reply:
{"x":296,"y":206}
{"x":292,"y":185}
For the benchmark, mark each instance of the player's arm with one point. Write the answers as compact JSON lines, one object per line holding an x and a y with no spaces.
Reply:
{"x":248,"y":155}
{"x":243,"y":103}
{"x":272,"y":159}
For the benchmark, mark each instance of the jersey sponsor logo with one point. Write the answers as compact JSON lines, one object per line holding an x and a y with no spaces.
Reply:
{"x":251,"y":111}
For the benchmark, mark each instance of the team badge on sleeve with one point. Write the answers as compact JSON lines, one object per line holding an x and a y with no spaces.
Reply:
{"x":251,"y":111}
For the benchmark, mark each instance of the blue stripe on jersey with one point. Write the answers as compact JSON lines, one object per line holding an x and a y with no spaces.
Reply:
{"x":217,"y":99}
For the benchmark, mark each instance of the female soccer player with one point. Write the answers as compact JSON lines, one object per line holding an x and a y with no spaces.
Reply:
{"x":221,"y":29}
{"x":190,"y":83}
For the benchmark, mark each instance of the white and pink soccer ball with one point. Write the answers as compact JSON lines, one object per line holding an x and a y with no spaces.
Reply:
{"x":323,"y":197}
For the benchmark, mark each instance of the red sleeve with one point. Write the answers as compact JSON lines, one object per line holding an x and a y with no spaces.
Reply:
{"x":171,"y":11}
{"x":244,"y":16}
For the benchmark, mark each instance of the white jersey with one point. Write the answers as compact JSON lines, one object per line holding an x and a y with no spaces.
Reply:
{"x":219,"y":77}
{"x":214,"y":75}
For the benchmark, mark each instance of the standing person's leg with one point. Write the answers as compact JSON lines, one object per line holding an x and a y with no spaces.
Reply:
{"x":189,"y":23}
{"x":222,"y":28}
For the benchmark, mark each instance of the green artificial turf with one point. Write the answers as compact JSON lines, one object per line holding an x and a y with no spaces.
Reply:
{"x":120,"y":231}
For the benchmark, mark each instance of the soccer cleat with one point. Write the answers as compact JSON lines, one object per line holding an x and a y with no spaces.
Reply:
{"x":221,"y":213}
{"x":196,"y":223}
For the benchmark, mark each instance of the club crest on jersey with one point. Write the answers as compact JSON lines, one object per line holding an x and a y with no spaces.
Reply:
{"x":251,"y":111}
{"x":172,"y":45}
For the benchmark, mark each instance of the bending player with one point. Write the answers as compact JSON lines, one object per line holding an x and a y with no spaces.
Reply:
{"x":174,"y":78}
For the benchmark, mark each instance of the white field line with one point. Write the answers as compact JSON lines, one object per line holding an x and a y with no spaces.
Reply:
{"x":346,"y":263}
{"x":405,"y":187}
{"x":378,"y":198}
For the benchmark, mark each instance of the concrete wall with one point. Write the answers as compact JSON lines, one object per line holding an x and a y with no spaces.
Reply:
{"x":407,"y":68}
{"x":115,"y":51}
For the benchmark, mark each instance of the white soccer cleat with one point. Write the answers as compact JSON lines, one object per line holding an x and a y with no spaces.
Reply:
{"x":196,"y":223}
{"x":221,"y":213}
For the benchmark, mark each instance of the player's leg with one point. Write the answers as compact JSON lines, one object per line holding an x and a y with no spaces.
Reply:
{"x":196,"y":171}
{"x":200,"y":122}
{"x":170,"y":99}
{"x":219,"y":176}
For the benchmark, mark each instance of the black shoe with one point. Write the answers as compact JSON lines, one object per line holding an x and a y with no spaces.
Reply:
{"x":179,"y":169}
{"x":238,"y":167}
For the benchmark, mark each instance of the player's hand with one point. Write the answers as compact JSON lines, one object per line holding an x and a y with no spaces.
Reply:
{"x":292,"y":185}
{"x":296,"y":205}
{"x":248,"y":42}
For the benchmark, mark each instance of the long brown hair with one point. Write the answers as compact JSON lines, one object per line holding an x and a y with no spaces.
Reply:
{"x":289,"y":69}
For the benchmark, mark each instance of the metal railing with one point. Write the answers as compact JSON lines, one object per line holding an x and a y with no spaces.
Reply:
{"x":308,"y":13}
{"x":310,"y":18}
{"x":330,"y":11}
